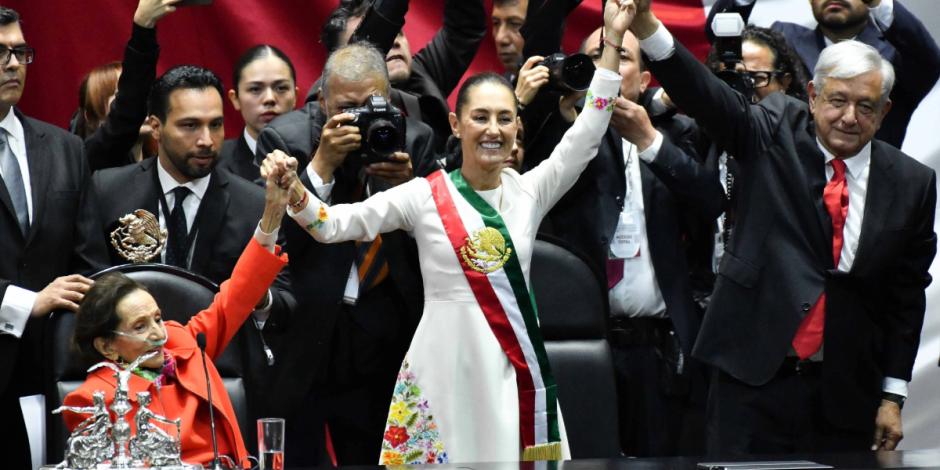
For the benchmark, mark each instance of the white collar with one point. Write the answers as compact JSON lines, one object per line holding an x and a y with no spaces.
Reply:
{"x":13,"y":126}
{"x":252,"y":143}
{"x":854,"y":164}
{"x":198,"y":186}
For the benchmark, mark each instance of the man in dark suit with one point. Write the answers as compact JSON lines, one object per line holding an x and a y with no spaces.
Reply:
{"x":883,"y":24}
{"x":627,"y":215}
{"x":355,"y":317}
{"x":48,"y":231}
{"x":421,"y":83}
{"x":209,"y":214}
{"x":816,"y":316}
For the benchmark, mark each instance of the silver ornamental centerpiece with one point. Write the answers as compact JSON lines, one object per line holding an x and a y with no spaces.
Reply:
{"x":139,"y":237}
{"x":99,"y":443}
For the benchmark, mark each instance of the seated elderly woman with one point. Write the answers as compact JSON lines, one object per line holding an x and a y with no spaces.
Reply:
{"x":475,"y":385}
{"x":119,"y":321}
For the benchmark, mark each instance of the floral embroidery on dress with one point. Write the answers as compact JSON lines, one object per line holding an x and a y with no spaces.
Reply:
{"x":411,"y":436}
{"x":321,"y":218}
{"x":600,"y":103}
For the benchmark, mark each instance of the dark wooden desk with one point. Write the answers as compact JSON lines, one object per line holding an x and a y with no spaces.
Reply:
{"x":854,"y":460}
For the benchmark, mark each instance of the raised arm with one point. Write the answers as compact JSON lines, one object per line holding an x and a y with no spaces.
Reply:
{"x":446,"y":58}
{"x":111,"y":143}
{"x":723,"y":113}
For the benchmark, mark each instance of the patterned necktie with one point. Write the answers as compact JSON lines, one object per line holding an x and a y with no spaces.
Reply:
{"x":176,"y":249}
{"x":809,"y":336}
{"x":13,"y":179}
{"x":370,"y":257}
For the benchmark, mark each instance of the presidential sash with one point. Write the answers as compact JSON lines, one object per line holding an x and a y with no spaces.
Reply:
{"x":486,"y":253}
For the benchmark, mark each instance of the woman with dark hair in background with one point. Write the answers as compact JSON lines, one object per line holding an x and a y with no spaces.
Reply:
{"x":113,"y":97}
{"x":264,"y":87}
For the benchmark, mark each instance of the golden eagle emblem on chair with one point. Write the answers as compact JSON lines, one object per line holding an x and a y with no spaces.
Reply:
{"x":138,"y":237}
{"x":485,"y":251}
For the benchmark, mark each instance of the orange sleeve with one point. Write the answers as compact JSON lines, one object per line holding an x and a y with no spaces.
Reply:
{"x":76,"y":398}
{"x":253,"y":274}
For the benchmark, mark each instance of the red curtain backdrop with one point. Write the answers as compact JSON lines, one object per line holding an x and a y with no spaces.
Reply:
{"x":71,"y":37}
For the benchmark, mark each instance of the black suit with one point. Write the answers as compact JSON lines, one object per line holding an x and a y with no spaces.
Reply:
{"x":111,"y":144}
{"x":780,"y":258}
{"x":340,"y":361}
{"x":237,"y":158}
{"x":907,"y":44}
{"x":63,"y":239}
{"x":228,"y":215}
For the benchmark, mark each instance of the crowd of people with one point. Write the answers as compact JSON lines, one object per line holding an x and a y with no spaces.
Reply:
{"x":763,"y":242}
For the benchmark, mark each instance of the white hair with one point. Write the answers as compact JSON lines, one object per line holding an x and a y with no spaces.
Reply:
{"x":849,"y":59}
{"x":356,"y":62}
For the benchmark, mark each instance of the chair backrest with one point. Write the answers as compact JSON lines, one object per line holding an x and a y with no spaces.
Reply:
{"x":573,"y":318}
{"x":180,"y":295}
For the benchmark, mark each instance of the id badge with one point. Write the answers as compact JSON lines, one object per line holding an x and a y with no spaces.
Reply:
{"x":626,"y":240}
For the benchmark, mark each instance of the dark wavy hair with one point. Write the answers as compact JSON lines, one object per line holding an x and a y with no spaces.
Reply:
{"x":181,"y":77}
{"x":785,"y":59}
{"x":335,"y":24}
{"x":97,"y":315}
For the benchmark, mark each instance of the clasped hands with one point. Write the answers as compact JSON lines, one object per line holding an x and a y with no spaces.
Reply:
{"x":279,"y":171}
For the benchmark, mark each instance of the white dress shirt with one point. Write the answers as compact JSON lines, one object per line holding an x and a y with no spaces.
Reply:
{"x":17,"y":302}
{"x":252,"y":143}
{"x":191,"y":204}
{"x":661,"y":45}
{"x":637,"y":294}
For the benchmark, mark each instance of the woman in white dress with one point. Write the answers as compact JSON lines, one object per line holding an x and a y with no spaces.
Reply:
{"x":475,"y":384}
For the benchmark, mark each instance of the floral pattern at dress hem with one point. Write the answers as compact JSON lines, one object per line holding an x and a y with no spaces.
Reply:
{"x":411,"y":435}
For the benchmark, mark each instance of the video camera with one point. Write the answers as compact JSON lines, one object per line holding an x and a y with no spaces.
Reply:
{"x":728,"y":28}
{"x":382,"y":127}
{"x":568,"y":73}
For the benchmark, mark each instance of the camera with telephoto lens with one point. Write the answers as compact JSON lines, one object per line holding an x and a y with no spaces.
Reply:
{"x":728,"y":28}
{"x":568,"y":73}
{"x":382,"y":127}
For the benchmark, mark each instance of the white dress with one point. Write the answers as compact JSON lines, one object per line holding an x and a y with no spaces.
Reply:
{"x":456,"y":398}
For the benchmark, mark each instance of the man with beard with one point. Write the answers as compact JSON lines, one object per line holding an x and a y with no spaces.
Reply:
{"x":209,"y":214}
{"x":883,"y":24}
{"x":357,"y":303}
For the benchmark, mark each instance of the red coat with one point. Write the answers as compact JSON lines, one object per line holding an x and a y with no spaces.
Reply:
{"x":186,"y":396}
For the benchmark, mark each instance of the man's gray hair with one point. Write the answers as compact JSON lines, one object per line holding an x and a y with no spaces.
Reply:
{"x":849,"y":59}
{"x":355,"y":62}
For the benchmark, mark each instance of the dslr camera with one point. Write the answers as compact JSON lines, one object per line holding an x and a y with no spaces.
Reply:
{"x":568,"y":73}
{"x":728,"y":28}
{"x":382,"y":127}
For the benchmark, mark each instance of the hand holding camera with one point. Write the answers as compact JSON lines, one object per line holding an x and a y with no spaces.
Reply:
{"x":396,"y":170}
{"x":532,"y":77}
{"x":337,"y":140}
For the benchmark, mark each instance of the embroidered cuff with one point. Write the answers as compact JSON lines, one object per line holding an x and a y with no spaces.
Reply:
{"x":604,"y":88}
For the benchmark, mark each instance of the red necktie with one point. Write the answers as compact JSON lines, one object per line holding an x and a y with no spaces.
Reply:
{"x":809,"y":336}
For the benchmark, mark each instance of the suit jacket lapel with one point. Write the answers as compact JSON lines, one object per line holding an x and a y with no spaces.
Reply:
{"x":147,"y":178}
{"x":37,"y":154}
{"x":209,"y":219}
{"x":878,"y":202}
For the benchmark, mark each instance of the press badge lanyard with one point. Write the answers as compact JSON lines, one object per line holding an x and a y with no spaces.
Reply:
{"x":626,"y":240}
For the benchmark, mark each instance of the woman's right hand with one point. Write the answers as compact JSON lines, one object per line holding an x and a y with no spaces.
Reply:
{"x":150,"y":11}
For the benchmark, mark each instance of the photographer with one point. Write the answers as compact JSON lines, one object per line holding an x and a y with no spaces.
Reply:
{"x":358,"y":303}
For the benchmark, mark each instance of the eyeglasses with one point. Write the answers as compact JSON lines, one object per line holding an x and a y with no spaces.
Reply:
{"x":761,"y":78}
{"x":23,"y":54}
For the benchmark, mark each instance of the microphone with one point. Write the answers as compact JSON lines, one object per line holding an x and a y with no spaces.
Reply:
{"x":216,"y":463}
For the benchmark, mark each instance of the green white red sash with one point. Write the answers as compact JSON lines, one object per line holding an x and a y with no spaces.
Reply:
{"x":508,"y":305}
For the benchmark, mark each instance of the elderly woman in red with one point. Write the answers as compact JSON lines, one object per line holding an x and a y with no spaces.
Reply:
{"x":119,"y":321}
